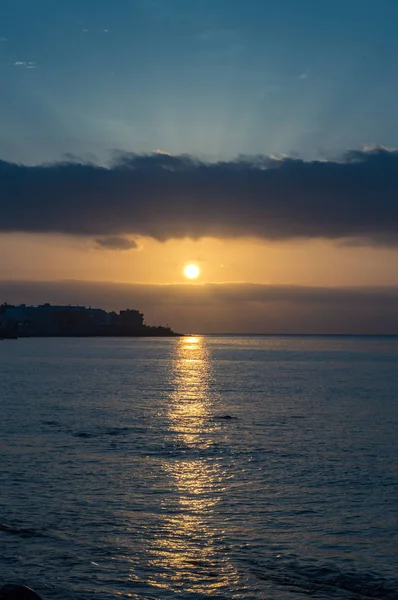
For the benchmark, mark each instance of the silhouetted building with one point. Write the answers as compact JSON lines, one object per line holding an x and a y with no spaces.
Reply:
{"x":132,"y":319}
{"x":48,"y":320}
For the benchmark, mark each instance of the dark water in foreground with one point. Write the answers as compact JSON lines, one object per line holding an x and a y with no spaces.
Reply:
{"x":121,"y":475}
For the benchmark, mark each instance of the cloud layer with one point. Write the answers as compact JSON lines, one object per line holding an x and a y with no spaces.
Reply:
{"x":115,"y":242}
{"x":163,"y":197}
{"x":228,"y":307}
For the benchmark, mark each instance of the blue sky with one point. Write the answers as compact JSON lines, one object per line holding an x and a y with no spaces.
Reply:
{"x":215,"y":78}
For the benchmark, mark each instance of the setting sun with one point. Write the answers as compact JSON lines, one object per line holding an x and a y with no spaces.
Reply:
{"x":191,"y":271}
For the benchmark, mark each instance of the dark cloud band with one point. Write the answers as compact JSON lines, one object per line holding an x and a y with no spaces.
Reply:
{"x":165,"y":197}
{"x":228,"y":307}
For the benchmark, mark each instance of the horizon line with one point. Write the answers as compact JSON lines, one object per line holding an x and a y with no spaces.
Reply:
{"x":291,"y":334}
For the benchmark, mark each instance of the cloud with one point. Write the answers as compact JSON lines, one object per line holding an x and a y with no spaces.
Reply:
{"x":26,"y":64}
{"x":163,"y":197}
{"x":115,"y":242}
{"x":85,"y":30}
{"x":159,"y":151}
{"x":3,"y":39}
{"x":228,"y":307}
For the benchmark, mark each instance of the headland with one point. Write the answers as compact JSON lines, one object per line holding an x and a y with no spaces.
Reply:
{"x":47,"y":320}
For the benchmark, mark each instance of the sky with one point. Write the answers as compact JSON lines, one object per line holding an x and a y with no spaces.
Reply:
{"x":254,"y":138}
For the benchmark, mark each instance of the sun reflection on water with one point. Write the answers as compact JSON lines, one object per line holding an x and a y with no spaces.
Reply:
{"x":190,"y":405}
{"x":188,"y":550}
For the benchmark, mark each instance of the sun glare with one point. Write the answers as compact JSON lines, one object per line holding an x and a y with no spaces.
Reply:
{"x":191,"y":271}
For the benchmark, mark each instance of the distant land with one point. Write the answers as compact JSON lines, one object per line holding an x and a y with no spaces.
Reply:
{"x":47,"y":320}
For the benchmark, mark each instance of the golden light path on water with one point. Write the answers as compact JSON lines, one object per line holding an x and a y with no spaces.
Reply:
{"x":190,"y":552}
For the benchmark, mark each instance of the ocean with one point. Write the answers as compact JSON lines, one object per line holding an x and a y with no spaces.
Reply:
{"x":200,"y":467}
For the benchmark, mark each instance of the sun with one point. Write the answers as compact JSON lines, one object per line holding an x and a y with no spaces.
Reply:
{"x":191,"y":271}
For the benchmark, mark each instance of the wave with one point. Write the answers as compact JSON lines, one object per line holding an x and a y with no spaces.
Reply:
{"x":326,"y":581}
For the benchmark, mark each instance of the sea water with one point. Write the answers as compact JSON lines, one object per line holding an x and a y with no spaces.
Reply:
{"x":200,"y":467}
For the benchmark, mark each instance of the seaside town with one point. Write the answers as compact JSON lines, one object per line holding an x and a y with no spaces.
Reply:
{"x":47,"y":320}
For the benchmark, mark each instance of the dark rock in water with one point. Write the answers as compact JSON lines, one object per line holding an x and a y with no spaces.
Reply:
{"x":23,"y":532}
{"x":82,"y":434}
{"x":224,"y":417}
{"x":11,"y":591}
